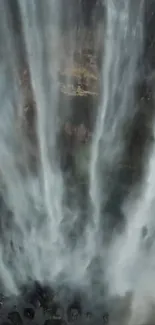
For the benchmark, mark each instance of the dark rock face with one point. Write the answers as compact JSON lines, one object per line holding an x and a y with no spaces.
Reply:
{"x":91,"y":8}
{"x":16,"y":24}
{"x":56,"y":311}
{"x":149,"y":36}
{"x":15,"y":318}
{"x":29,"y":313}
{"x":34,"y":300}
{"x":105,"y":319}
{"x":40,"y":297}
{"x":54,"y":322}
{"x":74,"y":311}
{"x":62,"y":311}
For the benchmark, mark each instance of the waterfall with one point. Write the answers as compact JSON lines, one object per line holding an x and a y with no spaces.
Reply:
{"x":43,"y":237}
{"x":123,"y":40}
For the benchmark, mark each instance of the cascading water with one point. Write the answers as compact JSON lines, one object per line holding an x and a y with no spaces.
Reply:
{"x":34,"y":213}
{"x":35,"y":201}
{"x":122,"y":47}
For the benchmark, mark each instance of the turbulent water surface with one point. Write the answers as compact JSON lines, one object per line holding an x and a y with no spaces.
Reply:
{"x":45,"y":236}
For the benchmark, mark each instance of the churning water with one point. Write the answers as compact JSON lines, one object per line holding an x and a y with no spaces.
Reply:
{"x":35,"y":216}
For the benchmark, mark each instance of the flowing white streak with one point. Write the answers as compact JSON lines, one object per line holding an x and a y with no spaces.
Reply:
{"x":41,"y":29}
{"x":131,"y":262}
{"x":122,"y":47}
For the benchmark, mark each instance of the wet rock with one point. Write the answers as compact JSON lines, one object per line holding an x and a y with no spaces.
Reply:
{"x":48,"y":322}
{"x":15,"y":318}
{"x":74,"y":312}
{"x":105,"y":319}
{"x":42,"y":296}
{"x":89,"y":315}
{"x":33,"y":299}
{"x":56,"y":311}
{"x":54,"y":322}
{"x":144,"y":232}
{"x":82,"y":159}
{"x":1,"y":301}
{"x":29,"y":313}
{"x":30,"y":295}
